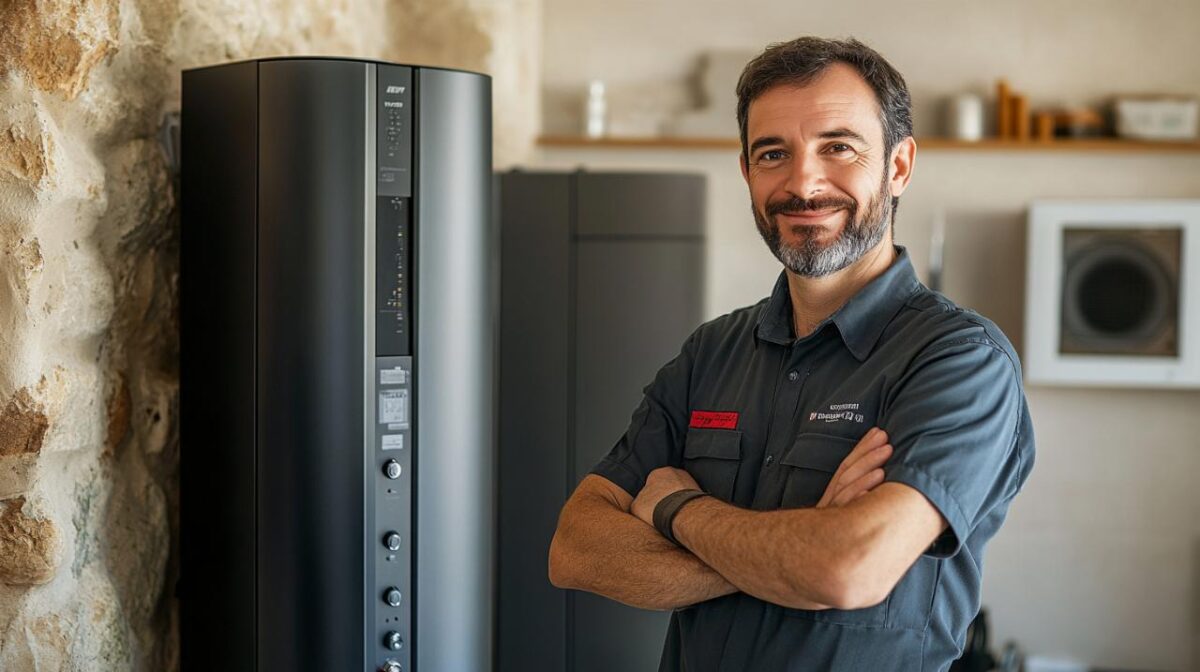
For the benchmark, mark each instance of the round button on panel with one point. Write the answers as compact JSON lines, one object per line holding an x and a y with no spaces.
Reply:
{"x":392,"y":597}
{"x":391,"y":540}
{"x":392,"y":469}
{"x":391,"y":666}
{"x":393,"y":641}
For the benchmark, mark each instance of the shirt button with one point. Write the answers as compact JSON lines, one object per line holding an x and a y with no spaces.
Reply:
{"x":770,"y":459}
{"x":793,"y":375}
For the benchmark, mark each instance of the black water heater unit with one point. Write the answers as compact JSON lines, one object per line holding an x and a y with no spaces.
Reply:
{"x":337,"y":368}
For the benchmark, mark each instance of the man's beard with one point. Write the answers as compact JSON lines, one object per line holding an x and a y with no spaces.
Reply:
{"x":808,"y":258}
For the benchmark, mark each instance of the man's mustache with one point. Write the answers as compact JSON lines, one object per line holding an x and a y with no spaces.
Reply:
{"x":796,"y":205}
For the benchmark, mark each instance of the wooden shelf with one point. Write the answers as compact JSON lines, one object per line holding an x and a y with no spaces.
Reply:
{"x":939,"y":144}
{"x":1062,"y":145}
{"x":648,"y":143}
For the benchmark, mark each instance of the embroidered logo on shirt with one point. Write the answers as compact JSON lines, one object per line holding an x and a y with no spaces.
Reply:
{"x":714,"y":419}
{"x":838,"y":413}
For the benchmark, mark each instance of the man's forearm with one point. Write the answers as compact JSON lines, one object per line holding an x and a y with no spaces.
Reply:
{"x":760,"y":554}
{"x":846,"y":557}
{"x":602,"y":549}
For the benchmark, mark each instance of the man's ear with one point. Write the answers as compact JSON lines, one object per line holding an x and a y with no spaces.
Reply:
{"x":904,"y":158}
{"x":744,"y":166}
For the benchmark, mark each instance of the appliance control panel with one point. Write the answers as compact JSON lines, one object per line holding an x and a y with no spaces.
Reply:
{"x":393,"y":276}
{"x":394,"y":131}
{"x":392,"y":533}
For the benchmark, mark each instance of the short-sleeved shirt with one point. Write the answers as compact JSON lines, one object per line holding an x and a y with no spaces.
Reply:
{"x":762,"y":419}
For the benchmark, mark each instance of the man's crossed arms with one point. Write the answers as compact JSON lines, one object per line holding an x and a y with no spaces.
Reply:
{"x":847,"y":552}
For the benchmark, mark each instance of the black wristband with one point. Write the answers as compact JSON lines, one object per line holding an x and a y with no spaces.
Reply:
{"x":668,"y":507}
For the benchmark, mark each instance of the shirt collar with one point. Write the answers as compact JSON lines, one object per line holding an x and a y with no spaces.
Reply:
{"x":860,"y":321}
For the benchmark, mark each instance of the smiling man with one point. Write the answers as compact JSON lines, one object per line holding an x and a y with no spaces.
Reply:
{"x":811,"y":483}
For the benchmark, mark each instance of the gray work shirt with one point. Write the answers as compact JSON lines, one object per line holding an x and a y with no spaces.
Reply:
{"x":762,"y":420}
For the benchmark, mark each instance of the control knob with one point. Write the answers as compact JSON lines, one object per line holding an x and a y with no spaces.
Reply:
{"x":392,"y":541}
{"x":393,"y":641}
{"x":391,"y":666}
{"x":391,"y":469}
{"x":392,"y":597}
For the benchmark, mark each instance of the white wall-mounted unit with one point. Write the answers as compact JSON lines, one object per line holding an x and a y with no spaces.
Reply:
{"x":1113,"y":293}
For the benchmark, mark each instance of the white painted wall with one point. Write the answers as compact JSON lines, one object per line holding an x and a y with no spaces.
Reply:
{"x":1100,"y":558}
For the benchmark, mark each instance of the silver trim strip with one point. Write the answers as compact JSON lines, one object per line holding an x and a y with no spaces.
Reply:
{"x":455,"y":346}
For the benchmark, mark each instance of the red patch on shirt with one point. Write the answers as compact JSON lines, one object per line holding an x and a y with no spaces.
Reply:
{"x":714,"y":419}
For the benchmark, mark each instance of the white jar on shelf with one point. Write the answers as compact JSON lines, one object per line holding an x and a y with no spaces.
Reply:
{"x":964,"y":117}
{"x":596,"y":111}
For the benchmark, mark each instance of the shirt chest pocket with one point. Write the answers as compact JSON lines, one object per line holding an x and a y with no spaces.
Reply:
{"x":712,"y":457}
{"x":811,"y":463}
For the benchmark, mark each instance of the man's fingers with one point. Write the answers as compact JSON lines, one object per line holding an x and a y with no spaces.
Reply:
{"x":849,"y":475}
{"x":872,"y":459}
{"x":874,"y":438}
{"x":859,"y":487}
{"x":871,"y":451}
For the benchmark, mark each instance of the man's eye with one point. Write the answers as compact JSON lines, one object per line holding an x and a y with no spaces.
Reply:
{"x":771,"y":155}
{"x":840,"y":147}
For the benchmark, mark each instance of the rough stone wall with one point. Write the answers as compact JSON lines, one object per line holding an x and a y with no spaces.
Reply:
{"x":89,"y":440}
{"x":500,"y":37}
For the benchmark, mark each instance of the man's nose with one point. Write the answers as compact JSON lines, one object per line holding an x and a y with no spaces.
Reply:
{"x":806,"y":177}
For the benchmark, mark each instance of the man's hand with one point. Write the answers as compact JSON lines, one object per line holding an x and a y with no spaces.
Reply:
{"x":600,"y":548}
{"x":860,"y":472}
{"x":660,"y":483}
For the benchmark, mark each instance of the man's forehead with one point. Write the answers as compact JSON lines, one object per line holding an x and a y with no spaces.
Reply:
{"x":838,"y":97}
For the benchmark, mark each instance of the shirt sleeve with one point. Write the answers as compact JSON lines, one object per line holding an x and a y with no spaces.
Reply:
{"x":953,"y":420}
{"x":657,"y":429}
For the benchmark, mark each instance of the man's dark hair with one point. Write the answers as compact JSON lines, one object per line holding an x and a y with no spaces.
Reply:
{"x":803,"y":59}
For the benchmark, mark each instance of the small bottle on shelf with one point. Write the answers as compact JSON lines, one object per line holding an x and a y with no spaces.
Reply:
{"x":596,"y":111}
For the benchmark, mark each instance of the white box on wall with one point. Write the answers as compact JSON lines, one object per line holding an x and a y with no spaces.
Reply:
{"x":1113,"y":293}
